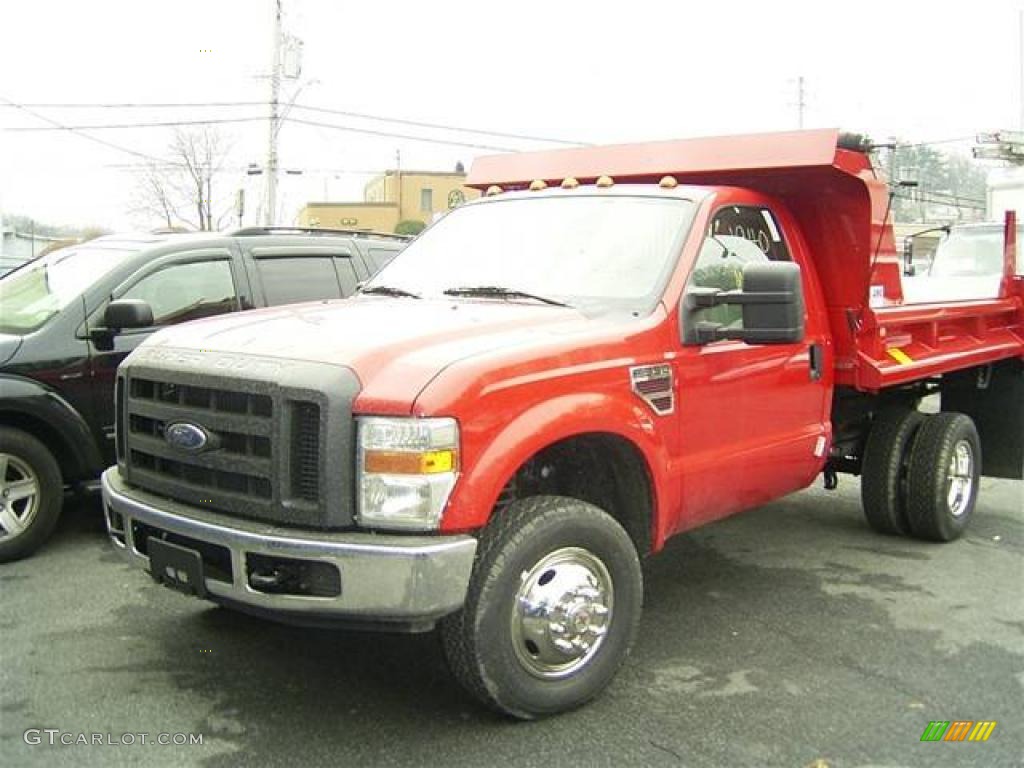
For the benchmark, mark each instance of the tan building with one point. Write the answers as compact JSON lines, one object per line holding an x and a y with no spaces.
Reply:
{"x":390,"y":198}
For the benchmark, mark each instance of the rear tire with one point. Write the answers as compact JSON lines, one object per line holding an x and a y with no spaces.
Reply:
{"x":943,"y":478}
{"x":552,"y":609}
{"x":883,"y":487}
{"x":31,"y":494}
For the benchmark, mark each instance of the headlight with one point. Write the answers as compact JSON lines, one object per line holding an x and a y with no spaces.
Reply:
{"x":406,"y":472}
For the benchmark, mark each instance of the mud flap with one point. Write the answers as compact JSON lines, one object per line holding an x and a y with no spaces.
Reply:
{"x":993,"y":396}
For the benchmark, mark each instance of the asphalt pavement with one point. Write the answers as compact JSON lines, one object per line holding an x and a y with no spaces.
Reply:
{"x":785,"y":636}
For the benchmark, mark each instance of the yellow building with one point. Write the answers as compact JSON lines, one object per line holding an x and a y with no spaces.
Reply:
{"x":392,"y":197}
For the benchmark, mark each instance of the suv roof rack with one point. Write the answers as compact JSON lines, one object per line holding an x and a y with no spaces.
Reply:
{"x":247,"y":231}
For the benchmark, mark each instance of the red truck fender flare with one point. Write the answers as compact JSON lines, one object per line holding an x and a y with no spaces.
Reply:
{"x":550,"y":422}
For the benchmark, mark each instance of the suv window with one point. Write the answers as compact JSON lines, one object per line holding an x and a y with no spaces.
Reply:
{"x":347,"y":276}
{"x":291,"y":279}
{"x":379,"y":257}
{"x":187,"y":291}
{"x":738,"y":235}
{"x":42,"y":288}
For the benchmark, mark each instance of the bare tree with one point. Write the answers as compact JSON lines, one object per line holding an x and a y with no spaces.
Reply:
{"x":180,"y":191}
{"x":153,"y":196}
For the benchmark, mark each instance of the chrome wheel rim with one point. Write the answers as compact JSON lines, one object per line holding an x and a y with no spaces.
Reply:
{"x":960,"y":478}
{"x":562,"y":613}
{"x":19,"y":496}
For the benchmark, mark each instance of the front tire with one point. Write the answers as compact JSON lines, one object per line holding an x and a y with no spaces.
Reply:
{"x":31,"y":494}
{"x":944,"y":475}
{"x":552,"y":609}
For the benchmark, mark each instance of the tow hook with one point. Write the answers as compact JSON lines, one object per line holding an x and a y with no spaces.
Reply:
{"x":267,"y":581}
{"x":831,"y":479}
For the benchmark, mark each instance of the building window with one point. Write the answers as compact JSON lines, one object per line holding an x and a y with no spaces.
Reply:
{"x":426,"y":200}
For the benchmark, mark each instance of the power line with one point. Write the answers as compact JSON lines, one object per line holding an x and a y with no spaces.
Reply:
{"x":330,"y":111}
{"x":951,"y":196}
{"x":136,"y":104}
{"x":55,"y":126}
{"x":439,"y":126}
{"x":392,"y":135}
{"x":119,"y":126}
{"x":933,"y":143}
{"x":307,"y":107}
{"x":933,"y":201}
{"x":289,"y":170}
{"x":78,"y":132}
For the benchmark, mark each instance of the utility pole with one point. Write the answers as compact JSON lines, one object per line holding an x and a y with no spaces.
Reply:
{"x":270,"y":211}
{"x":801,"y":103}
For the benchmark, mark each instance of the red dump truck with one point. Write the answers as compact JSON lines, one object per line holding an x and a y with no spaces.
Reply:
{"x":612,"y":346}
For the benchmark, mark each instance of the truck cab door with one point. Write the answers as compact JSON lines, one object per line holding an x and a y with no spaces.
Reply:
{"x":753,"y":418}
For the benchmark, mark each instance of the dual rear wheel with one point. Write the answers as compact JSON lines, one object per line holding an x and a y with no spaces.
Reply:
{"x":921,"y":473}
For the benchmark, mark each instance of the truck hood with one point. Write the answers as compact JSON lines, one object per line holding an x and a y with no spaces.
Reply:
{"x":395,"y":346}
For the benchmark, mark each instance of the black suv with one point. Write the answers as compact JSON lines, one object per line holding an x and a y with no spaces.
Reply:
{"x":67,"y":320}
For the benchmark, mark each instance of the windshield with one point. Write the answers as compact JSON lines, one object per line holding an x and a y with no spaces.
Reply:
{"x":30,"y":296}
{"x":597,"y":254}
{"x":974,"y":251}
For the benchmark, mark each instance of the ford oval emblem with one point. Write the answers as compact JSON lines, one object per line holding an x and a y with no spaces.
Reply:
{"x":186,"y":437}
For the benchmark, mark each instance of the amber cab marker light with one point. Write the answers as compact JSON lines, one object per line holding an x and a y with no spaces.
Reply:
{"x":605,"y":181}
{"x":537,"y":185}
{"x":569,"y":183}
{"x":668,"y":182}
{"x":410,"y":463}
{"x":493,"y":190}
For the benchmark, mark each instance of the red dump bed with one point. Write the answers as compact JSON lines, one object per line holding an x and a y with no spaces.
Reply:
{"x":840,"y":204}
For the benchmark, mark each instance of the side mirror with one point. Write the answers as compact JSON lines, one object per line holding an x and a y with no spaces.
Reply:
{"x":128,"y":313}
{"x":773,"y":307}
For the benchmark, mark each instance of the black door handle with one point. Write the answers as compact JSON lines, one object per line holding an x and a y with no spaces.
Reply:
{"x":817,"y":357}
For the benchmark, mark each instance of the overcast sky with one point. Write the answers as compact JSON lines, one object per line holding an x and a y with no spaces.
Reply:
{"x":579,"y":71}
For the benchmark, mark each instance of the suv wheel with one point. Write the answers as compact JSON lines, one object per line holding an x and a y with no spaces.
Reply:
{"x":31,"y":493}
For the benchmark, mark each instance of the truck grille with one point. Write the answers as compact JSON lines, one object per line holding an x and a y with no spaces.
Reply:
{"x":305,"y":445}
{"x":258,"y":452}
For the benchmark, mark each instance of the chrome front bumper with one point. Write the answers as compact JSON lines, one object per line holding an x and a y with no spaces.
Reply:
{"x":383,"y":578}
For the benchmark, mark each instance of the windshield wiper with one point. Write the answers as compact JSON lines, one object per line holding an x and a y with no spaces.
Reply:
{"x":501,"y":293}
{"x":389,"y":290}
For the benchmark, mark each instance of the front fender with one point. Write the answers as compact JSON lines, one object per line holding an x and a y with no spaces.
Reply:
{"x":34,"y":407}
{"x":494,"y":458}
